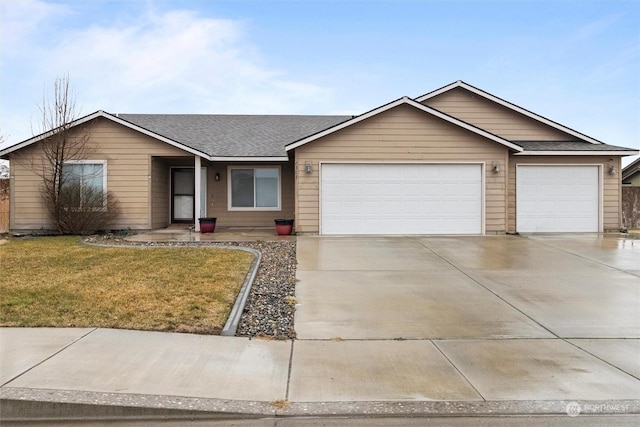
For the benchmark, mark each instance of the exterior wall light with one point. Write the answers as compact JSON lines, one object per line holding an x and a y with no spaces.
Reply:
{"x":217,"y":176}
{"x":308,"y":168}
{"x":496,"y":168}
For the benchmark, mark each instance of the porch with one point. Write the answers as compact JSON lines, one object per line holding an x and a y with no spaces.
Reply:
{"x":245,"y":195}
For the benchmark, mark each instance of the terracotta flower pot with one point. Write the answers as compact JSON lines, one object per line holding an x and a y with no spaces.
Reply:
{"x":207,"y":225}
{"x":284,"y":227}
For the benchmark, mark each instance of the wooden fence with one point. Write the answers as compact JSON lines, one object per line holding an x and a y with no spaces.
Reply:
{"x":4,"y":205}
{"x":631,"y":207}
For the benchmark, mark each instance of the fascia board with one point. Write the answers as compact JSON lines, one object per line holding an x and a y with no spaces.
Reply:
{"x":248,"y":159}
{"x":577,"y":153}
{"x":509,"y":105}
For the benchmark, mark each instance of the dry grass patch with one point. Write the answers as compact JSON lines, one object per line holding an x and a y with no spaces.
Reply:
{"x":58,"y":281}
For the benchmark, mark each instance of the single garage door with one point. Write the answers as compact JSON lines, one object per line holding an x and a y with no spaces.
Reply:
{"x":401,"y":199}
{"x":557,"y":199}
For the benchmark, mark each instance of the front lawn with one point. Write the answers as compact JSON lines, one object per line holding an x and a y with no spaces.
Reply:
{"x":60,"y":282}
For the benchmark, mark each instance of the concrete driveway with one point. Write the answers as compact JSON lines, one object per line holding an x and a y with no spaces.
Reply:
{"x":583,"y":286}
{"x":524,"y":318}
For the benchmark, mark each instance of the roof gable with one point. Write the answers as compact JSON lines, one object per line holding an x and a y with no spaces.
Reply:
{"x":93,"y":116}
{"x":510,"y":106}
{"x":405,"y":101}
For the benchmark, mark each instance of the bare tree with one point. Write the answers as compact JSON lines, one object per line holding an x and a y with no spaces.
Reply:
{"x":73,"y":206}
{"x":4,"y":165}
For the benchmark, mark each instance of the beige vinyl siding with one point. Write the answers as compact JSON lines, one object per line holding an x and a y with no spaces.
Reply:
{"x":128,"y":161}
{"x":495,"y":118}
{"x":611,"y":188}
{"x":401,"y":134}
{"x":217,"y":197}
{"x":26,"y":209}
{"x":160,"y":193}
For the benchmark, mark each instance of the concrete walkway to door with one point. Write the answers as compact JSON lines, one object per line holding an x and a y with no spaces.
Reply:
{"x":509,"y":317}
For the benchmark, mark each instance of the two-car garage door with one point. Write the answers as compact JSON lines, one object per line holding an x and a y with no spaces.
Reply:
{"x":401,"y":199}
{"x":382,"y":198}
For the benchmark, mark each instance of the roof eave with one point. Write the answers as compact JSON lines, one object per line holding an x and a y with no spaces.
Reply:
{"x":509,"y":105}
{"x":578,"y":153}
{"x":249,"y":159}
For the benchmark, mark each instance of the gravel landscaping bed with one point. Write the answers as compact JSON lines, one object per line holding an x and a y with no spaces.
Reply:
{"x":271,"y":303}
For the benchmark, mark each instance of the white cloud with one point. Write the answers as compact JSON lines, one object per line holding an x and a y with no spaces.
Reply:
{"x":169,"y":62}
{"x":22,"y":19}
{"x":177,"y":62}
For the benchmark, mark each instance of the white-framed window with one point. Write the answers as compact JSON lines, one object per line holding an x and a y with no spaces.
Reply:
{"x":85,"y":182}
{"x":254,"y":188}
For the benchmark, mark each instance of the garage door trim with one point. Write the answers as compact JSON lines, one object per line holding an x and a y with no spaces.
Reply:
{"x":600,"y":186}
{"x":406,"y":162}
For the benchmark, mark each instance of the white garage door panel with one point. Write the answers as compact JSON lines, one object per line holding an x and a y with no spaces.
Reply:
{"x":557,"y":199}
{"x":401,"y":199}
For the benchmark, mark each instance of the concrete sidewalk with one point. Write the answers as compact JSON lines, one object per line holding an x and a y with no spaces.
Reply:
{"x":562,"y":338}
{"x":229,"y":375}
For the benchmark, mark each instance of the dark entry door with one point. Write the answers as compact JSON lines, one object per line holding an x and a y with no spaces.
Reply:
{"x":182,"y":195}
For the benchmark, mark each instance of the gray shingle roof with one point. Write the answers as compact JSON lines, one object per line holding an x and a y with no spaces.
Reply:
{"x":567,"y":146}
{"x":234,"y":135}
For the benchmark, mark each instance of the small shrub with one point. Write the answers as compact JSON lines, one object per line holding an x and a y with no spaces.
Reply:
{"x":82,"y":210}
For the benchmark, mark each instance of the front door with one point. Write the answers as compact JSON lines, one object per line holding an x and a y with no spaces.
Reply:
{"x":182,"y":195}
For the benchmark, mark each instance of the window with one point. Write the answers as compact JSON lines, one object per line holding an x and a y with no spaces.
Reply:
{"x":84,"y":183}
{"x":254,"y":188}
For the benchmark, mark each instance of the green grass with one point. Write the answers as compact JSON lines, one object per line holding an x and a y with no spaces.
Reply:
{"x":59,"y":282}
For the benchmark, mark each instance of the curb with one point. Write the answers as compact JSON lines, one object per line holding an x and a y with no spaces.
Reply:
{"x":20,"y":404}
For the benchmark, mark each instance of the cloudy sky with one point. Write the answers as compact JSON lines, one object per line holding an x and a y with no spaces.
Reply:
{"x":575,"y":62}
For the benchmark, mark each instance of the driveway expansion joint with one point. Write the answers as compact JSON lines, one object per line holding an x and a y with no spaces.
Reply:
{"x":567,"y":340}
{"x":458,"y":370}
